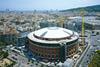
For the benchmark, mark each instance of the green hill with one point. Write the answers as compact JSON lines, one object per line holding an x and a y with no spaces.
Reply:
{"x":95,"y":8}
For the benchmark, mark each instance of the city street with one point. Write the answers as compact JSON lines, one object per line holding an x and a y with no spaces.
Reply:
{"x":89,"y":54}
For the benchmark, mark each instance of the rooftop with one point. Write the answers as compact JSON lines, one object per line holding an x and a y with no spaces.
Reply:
{"x":53,"y":35}
{"x":53,"y":32}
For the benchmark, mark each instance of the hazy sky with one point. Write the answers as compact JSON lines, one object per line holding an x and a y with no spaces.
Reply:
{"x":45,"y":4}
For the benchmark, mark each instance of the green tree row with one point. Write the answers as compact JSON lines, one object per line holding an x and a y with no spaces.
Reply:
{"x":96,"y":60}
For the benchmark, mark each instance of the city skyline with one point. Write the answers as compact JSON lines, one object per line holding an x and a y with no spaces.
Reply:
{"x":45,"y":4}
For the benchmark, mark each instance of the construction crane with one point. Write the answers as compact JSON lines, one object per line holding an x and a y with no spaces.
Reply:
{"x":83,"y":27}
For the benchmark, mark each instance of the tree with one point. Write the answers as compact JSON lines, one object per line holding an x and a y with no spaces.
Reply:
{"x":96,"y":60}
{"x":97,"y":33}
{"x":5,"y":55}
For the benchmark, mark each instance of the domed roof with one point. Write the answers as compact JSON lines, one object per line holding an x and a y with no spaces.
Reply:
{"x":52,"y":34}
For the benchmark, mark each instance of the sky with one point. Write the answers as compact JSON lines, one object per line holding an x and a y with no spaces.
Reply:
{"x":45,"y":4}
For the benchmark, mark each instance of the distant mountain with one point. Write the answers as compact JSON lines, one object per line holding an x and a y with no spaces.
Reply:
{"x":95,"y":8}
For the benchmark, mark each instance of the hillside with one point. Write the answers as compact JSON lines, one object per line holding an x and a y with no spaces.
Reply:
{"x":95,"y":8}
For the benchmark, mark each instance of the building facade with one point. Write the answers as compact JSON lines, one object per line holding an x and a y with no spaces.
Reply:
{"x":52,"y":44}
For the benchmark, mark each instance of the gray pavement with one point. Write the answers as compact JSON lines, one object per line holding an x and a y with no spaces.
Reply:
{"x":89,"y":54}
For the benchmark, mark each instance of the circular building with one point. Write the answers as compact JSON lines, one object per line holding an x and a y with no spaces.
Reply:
{"x":52,"y":44}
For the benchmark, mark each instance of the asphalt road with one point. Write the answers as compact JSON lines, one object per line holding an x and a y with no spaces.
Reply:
{"x":94,"y":45}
